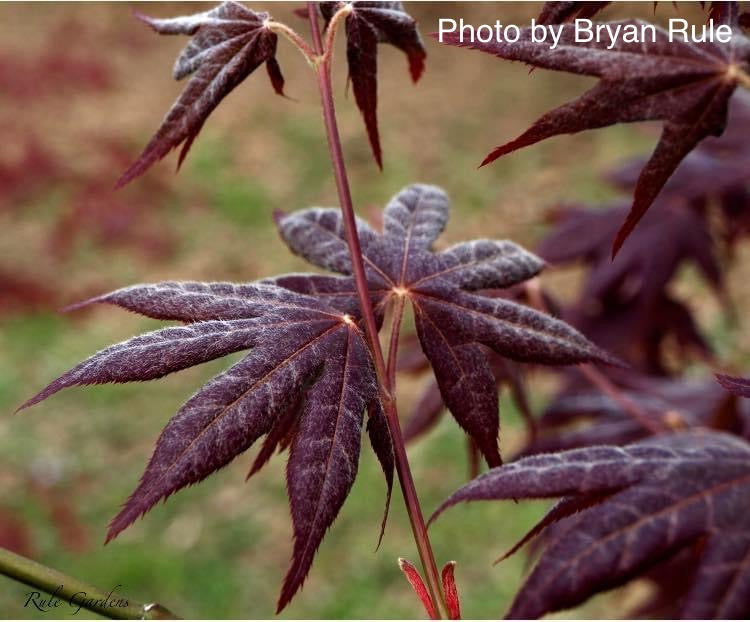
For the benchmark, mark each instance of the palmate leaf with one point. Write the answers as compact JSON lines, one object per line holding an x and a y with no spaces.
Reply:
{"x":643,"y":340}
{"x":584,"y":417}
{"x":671,"y":235}
{"x":228,"y":44}
{"x":685,"y":85}
{"x":308,"y":375}
{"x":368,"y":24}
{"x":454,"y":320}
{"x":717,"y":165}
{"x":624,"y":305}
{"x":715,"y":171}
{"x":627,"y":509}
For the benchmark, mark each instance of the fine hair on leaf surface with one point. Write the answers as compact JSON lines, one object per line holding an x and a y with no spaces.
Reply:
{"x":308,"y":372}
{"x":228,"y":44}
{"x":626,"y":509}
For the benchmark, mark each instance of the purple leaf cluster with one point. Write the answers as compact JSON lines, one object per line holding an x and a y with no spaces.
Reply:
{"x":305,"y":384}
{"x":625,"y":305}
{"x":650,"y":466}
{"x":456,"y":323}
{"x":231,"y":41}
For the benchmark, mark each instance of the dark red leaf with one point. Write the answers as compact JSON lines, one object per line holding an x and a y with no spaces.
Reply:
{"x":634,"y":507}
{"x":308,"y":378}
{"x":308,"y":371}
{"x":228,"y":44}
{"x":685,"y":85}
{"x":368,"y":24}
{"x":454,"y":320}
{"x":584,"y":417}
{"x":624,"y":305}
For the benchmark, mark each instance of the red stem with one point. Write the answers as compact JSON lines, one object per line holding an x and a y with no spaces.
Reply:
{"x":403,"y":470}
{"x":593,"y":375}
{"x":601,"y":382}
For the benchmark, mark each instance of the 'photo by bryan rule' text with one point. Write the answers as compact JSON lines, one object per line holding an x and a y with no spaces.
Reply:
{"x":584,"y":31}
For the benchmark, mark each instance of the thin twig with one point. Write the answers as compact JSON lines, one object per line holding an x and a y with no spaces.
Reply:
{"x":403,"y":469}
{"x":605,"y":385}
{"x":331,"y":29}
{"x":77,"y":594}
{"x":294,"y":39}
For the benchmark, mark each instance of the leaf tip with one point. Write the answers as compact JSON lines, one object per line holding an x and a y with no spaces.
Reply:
{"x":278,"y":215}
{"x":80,"y":304}
{"x":142,"y":17}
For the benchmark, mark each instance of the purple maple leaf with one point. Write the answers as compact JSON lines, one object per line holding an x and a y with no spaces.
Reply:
{"x":455,"y":321}
{"x":228,"y":44}
{"x":626,"y":509}
{"x":686,"y":85}
{"x":368,"y":24}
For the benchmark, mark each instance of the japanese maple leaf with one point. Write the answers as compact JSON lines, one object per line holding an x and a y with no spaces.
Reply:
{"x":368,"y":24}
{"x":305,"y":383}
{"x":228,"y":44}
{"x":453,"y":320}
{"x":586,"y":417}
{"x":685,"y":85}
{"x":715,"y":171}
{"x":640,"y":338}
{"x":626,"y":510}
{"x":716,"y":167}
{"x":624,"y":305}
{"x":672,"y":235}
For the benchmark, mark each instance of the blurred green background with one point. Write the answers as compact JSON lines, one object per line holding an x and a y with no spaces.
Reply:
{"x":81,"y":89}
